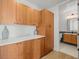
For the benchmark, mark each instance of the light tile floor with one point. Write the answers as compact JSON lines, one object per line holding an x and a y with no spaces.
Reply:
{"x":57,"y":55}
{"x":69,"y":49}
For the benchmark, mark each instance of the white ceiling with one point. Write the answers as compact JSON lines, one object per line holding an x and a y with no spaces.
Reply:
{"x":45,"y":3}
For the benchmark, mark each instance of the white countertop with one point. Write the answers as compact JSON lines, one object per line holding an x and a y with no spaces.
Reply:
{"x":19,"y":39}
{"x":71,"y":33}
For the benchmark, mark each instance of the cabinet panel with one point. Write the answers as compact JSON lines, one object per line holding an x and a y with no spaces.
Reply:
{"x":27,"y":50}
{"x":32,"y":49}
{"x":42,"y":47}
{"x":70,"y":38}
{"x":9,"y":52}
{"x":50,"y":30}
{"x":23,"y":50}
{"x":27,"y":15}
{"x":36,"y":48}
{"x":20,"y":50}
{"x":8,"y":12}
{"x":21,"y":13}
{"x":74,"y":39}
{"x":47,"y":29}
{"x":0,"y":10}
{"x":67,"y":37}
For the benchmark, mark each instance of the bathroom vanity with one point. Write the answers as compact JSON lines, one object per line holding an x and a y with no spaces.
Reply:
{"x":69,"y":37}
{"x":21,"y":48}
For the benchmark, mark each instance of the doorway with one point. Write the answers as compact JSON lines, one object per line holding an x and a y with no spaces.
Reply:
{"x":68,"y":27}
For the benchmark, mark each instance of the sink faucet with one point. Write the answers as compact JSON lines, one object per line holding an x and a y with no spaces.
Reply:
{"x":35,"y":32}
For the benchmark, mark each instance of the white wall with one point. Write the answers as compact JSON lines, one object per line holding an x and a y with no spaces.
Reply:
{"x":63,"y":21}
{"x":66,"y":10}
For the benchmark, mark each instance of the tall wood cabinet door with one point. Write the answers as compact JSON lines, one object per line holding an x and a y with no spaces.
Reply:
{"x":47,"y":29}
{"x":49,"y":42}
{"x":42,"y":27}
{"x":8,"y":11}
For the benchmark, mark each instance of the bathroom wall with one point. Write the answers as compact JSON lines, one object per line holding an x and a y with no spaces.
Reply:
{"x":65,"y":10}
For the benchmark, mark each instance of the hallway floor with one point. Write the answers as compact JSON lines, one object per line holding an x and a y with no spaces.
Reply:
{"x":57,"y":55}
{"x":69,"y":49}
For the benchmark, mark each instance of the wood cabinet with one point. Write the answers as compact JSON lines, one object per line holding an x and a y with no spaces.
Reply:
{"x":70,"y":38}
{"x":21,"y":13}
{"x":12,"y":12}
{"x":24,"y":50}
{"x":27,"y":15}
{"x":7,"y":11}
{"x":32,"y":49}
{"x":9,"y":52}
{"x":17,"y":13}
{"x":42,"y":47}
{"x":0,"y":11}
{"x":47,"y":28}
